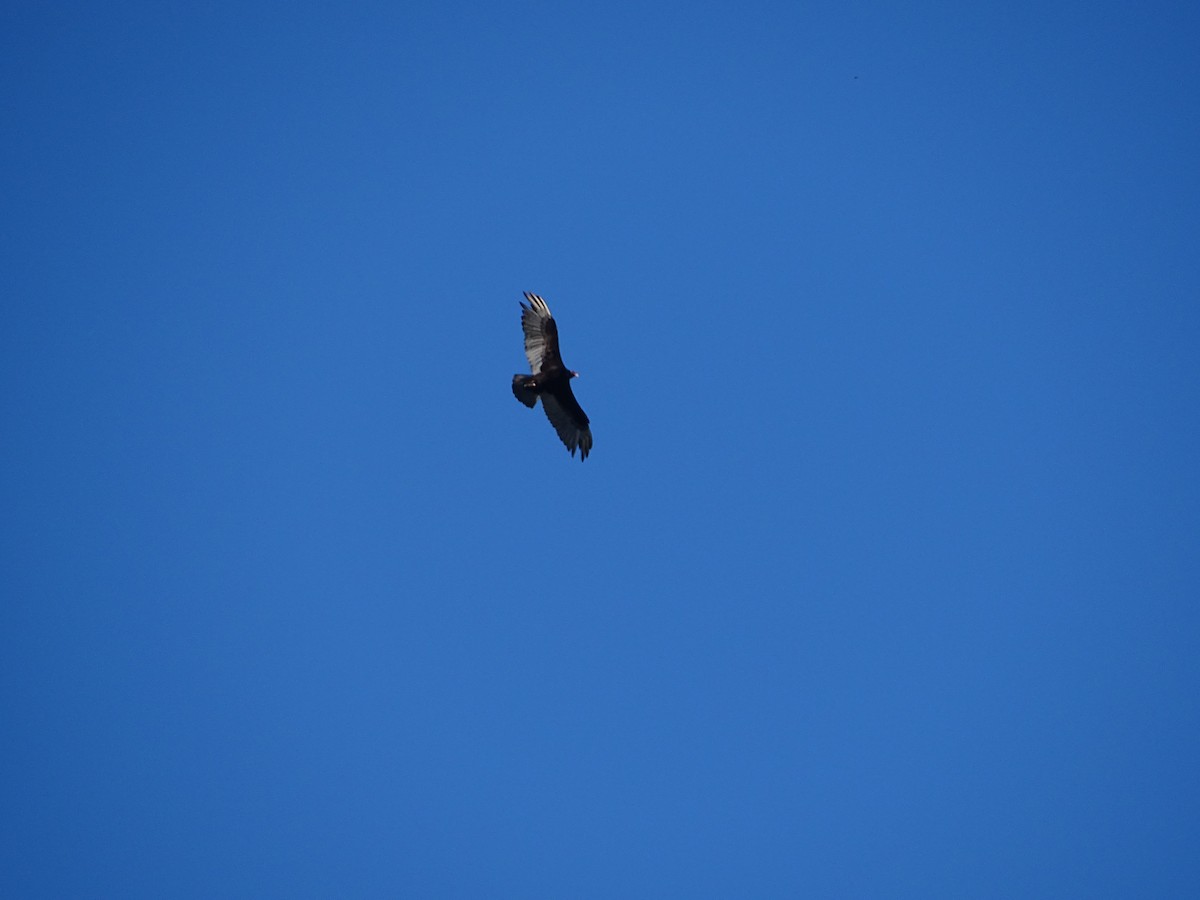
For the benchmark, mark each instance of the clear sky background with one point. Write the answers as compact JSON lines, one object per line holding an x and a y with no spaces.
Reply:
{"x":882,"y":577}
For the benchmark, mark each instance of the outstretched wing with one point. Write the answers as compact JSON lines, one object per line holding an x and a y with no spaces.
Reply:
{"x":541,"y":334}
{"x":568,"y":419}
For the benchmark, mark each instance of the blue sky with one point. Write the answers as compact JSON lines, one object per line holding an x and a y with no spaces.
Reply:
{"x":881,"y":579}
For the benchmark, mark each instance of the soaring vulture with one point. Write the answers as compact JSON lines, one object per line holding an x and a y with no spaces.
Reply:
{"x":551,"y":380}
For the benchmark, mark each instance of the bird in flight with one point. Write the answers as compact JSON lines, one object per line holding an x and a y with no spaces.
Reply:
{"x":551,"y":380}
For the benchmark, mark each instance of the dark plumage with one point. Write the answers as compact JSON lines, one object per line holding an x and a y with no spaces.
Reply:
{"x":551,"y":380}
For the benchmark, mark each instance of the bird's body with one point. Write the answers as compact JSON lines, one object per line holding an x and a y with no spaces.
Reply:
{"x":551,"y":380}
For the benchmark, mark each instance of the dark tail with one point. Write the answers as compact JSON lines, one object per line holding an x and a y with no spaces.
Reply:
{"x":523,"y":392}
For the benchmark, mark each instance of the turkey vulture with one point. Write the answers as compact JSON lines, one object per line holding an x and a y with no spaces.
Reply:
{"x":551,"y":380}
